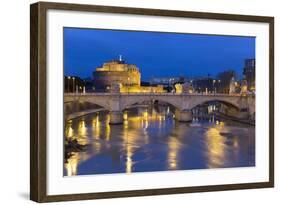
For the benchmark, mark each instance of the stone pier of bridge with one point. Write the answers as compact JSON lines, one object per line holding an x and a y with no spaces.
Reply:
{"x":115,"y":117}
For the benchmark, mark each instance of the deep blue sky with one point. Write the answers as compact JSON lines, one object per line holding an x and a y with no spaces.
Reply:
{"x":156,"y":54}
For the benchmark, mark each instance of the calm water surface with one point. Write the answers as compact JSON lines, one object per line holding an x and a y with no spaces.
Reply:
{"x":150,"y":140}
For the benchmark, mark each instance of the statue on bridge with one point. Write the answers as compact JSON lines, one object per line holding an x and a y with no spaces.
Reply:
{"x":187,"y":88}
{"x":232,"y":86}
{"x":178,"y":87}
{"x":115,"y":88}
{"x":244,"y":87}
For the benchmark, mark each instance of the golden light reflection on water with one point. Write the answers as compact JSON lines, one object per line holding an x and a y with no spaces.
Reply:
{"x":107,"y":128}
{"x":145,"y":115}
{"x":125,"y":116}
{"x":216,"y":146}
{"x":69,"y":132}
{"x":125,"y":125}
{"x":173,"y":148}
{"x":107,"y":132}
{"x":82,"y":133}
{"x":96,"y":127}
{"x":123,"y":144}
{"x":96,"y":134}
{"x":175,"y":145}
{"x":144,"y":125}
{"x":128,"y":140}
{"x":72,"y":163}
{"x":129,"y":161}
{"x":131,"y":138}
{"x":82,"y":127}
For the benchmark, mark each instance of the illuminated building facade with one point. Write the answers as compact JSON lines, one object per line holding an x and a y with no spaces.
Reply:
{"x":142,"y":89}
{"x":249,"y":73}
{"x":118,"y":73}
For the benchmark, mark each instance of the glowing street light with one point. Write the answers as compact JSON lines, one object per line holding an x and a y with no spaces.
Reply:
{"x":219,"y":81}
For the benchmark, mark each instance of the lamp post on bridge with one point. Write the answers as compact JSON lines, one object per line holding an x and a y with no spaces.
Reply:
{"x":73,"y":85}
{"x":68,"y":83}
{"x":84,"y":87}
{"x":214,"y":81}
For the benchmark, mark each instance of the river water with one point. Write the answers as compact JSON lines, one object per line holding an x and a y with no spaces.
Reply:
{"x":151,"y":140}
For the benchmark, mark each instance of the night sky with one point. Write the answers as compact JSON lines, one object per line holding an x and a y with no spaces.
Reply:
{"x":155,"y":54}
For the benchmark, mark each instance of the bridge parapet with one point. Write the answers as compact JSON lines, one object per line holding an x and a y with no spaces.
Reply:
{"x":151,"y":94}
{"x":117,"y":102}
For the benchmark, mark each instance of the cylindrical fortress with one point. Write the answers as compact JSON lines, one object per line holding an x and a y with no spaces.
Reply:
{"x":116,"y":72}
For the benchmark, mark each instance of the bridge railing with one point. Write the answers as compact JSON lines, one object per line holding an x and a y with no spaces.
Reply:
{"x":152,"y":94}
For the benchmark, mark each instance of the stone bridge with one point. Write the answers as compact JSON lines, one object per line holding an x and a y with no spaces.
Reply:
{"x":115,"y":103}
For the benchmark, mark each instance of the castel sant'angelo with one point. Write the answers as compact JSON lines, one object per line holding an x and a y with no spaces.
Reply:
{"x":126,"y":76}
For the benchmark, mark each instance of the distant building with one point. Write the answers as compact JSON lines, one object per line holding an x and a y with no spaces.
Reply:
{"x":117,"y":75}
{"x":249,"y":72}
{"x":114,"y":72}
{"x":166,"y":80}
{"x":224,"y":80}
{"x":203,"y":85}
{"x":232,"y":86}
{"x":168,"y":83}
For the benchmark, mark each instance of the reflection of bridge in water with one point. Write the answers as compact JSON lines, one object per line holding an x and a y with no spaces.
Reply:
{"x":183,"y":103}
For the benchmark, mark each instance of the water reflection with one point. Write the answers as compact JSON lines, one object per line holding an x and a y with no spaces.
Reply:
{"x":151,"y":140}
{"x":71,"y":165}
{"x":216,"y":147}
{"x":173,"y":149}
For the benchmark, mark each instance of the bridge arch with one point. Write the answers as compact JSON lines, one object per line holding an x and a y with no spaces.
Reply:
{"x":141,"y":99}
{"x":71,"y":107}
{"x":100,"y":104}
{"x":230,"y":103}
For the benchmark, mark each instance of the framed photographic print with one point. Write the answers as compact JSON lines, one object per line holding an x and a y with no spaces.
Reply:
{"x":134,"y":102}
